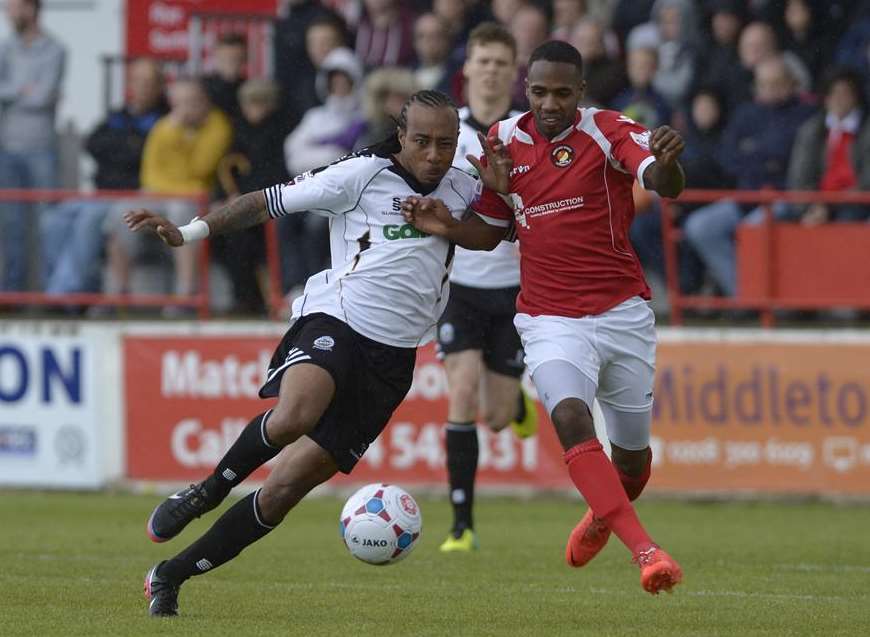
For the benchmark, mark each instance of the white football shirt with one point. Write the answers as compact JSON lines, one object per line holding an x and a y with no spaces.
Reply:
{"x":388,"y":281}
{"x":498,"y":268}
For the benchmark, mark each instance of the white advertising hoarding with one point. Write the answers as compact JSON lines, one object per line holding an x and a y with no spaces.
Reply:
{"x":50,"y":434}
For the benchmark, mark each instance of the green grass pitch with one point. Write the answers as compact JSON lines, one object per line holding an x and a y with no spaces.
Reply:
{"x":73,"y":564}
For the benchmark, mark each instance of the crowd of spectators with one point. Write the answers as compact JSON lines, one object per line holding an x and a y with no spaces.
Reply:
{"x":768,"y":94}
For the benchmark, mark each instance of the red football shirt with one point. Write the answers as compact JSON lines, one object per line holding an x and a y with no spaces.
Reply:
{"x":572,"y":208}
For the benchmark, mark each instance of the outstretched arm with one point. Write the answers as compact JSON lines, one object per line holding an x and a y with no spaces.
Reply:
{"x":243,"y":212}
{"x":665,"y":175}
{"x":432,"y":217}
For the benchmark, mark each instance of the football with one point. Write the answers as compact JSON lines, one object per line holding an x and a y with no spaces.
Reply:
{"x":380,"y":524}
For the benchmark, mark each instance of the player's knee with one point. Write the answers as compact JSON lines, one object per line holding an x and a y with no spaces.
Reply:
{"x":463,"y":399}
{"x":276,"y":500}
{"x":290,"y":420}
{"x":573,"y":422}
{"x":496,"y":419}
{"x":631,"y":463}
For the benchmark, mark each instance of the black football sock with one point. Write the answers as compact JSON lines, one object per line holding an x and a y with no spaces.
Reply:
{"x":239,"y":527}
{"x":462,"y":451}
{"x":251,"y":450}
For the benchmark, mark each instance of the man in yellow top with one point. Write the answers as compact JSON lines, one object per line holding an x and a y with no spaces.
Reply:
{"x":181,"y":156}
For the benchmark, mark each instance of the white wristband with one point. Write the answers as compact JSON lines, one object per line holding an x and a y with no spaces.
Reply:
{"x":194,"y":231}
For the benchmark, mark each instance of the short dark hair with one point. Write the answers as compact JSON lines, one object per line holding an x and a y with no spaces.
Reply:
{"x":558,"y":51}
{"x":489,"y":32}
{"x":429,"y":98}
{"x":333,"y":21}
{"x":848,"y":76}
{"x":233,"y":39}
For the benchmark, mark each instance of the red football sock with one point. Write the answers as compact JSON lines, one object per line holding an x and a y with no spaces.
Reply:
{"x":634,"y":485}
{"x":597,"y":480}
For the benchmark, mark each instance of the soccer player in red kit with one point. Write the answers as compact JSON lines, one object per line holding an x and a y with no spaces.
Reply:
{"x":562,"y":177}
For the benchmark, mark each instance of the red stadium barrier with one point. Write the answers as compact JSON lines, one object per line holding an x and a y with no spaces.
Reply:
{"x":200,"y":300}
{"x":774,"y":271}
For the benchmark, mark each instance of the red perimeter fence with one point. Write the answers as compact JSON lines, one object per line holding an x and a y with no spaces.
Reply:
{"x":780,"y":265}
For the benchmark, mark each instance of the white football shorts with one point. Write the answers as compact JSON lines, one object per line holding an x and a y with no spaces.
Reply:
{"x":615,"y":353}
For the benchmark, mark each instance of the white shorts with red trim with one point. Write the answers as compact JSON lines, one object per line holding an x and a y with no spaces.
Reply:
{"x":615,"y":350}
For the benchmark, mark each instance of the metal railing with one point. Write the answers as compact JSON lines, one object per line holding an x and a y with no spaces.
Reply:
{"x":766,"y":303}
{"x":198,"y":300}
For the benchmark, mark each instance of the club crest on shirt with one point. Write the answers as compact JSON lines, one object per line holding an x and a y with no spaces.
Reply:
{"x":562,"y":156}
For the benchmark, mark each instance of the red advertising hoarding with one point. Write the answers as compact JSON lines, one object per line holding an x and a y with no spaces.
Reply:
{"x":187,"y":399}
{"x":730,"y":415}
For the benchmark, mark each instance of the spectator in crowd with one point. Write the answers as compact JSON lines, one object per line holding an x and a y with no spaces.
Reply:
{"x":605,"y":75}
{"x":181,"y":156}
{"x":72,"y":233}
{"x":324,"y":35}
{"x":530,"y":29}
{"x":460,"y":16}
{"x":31,"y":73}
{"x":852,"y":48}
{"x":832,"y":150}
{"x":230,"y":64}
{"x":640,"y":101}
{"x":720,"y":58}
{"x":304,"y":29}
{"x":672,"y":31}
{"x":703,"y":126}
{"x":627,"y":14}
{"x":432,"y":46}
{"x":385,"y":36}
{"x":567,"y":14}
{"x":802,"y":32}
{"x":504,"y":10}
{"x":757,"y":43}
{"x":756,"y":147}
{"x":320,"y":138}
{"x":386,"y":91}
{"x":255,"y":161}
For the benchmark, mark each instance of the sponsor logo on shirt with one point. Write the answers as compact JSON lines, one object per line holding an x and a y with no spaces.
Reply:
{"x":405,"y":231}
{"x":325,"y":343}
{"x":554,"y":207}
{"x":300,"y":178}
{"x":562,"y":156}
{"x":520,"y":170}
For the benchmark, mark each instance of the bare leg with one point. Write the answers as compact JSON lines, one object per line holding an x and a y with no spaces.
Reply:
{"x":499,"y":399}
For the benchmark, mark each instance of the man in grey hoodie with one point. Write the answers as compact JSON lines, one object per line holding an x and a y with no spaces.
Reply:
{"x":31,"y":71}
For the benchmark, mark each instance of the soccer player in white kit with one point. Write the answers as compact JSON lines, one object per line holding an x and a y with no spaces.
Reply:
{"x":347,"y":361}
{"x":562,"y":176}
{"x":482,"y":352}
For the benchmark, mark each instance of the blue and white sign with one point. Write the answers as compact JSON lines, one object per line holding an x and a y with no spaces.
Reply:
{"x":48,"y":407}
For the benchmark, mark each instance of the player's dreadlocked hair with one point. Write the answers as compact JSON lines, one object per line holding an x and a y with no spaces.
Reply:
{"x":432,"y":99}
{"x":428,"y":98}
{"x":558,"y":51}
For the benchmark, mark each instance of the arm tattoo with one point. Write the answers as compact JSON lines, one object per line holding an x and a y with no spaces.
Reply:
{"x":243,"y":212}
